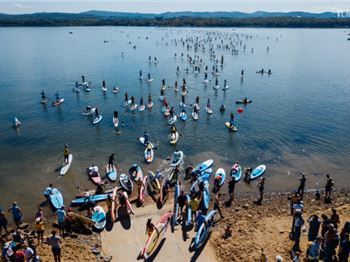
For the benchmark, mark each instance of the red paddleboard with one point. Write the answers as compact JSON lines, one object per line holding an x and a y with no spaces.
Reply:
{"x":56,"y":103}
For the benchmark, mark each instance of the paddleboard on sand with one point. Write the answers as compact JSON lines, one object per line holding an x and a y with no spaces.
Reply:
{"x":204,"y":229}
{"x":143,"y":190}
{"x":114,"y":206}
{"x":229,"y":126}
{"x":203,"y":166}
{"x":55,"y":197}
{"x":129,"y":206}
{"x":94,"y":176}
{"x":220,"y":173}
{"x":176,"y":203}
{"x":188,"y":220}
{"x":65,"y":167}
{"x":153,"y":182}
{"x":155,"y":238}
{"x":99,"y":217}
{"x":111,"y":172}
{"x":236,"y":172}
{"x":135,"y":172}
{"x":177,"y":158}
{"x":257,"y":172}
{"x":126,"y":183}
{"x":95,"y":198}
{"x":163,"y":188}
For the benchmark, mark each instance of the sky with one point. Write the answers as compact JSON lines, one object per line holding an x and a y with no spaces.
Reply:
{"x":158,"y":6}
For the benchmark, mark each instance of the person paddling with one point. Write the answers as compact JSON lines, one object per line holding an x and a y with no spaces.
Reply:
{"x":232,"y":120}
{"x":43,"y":95}
{"x":126,"y":99}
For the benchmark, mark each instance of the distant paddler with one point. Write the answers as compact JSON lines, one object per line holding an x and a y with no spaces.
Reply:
{"x":149,"y":79}
{"x":142,"y":106}
{"x":216,"y":87}
{"x":226,"y":86}
{"x":208,"y":108}
{"x":104,"y":88}
{"x":232,"y":120}
{"x":140,"y":75}
{"x":182,"y":103}
{"x":115,"y":118}
{"x":149,"y":59}
{"x":43,"y":97}
{"x":205,"y":81}
{"x":126,"y":100}
{"x":163,"y":85}
{"x":176,"y":88}
{"x":149,"y":103}
{"x":177,"y":70}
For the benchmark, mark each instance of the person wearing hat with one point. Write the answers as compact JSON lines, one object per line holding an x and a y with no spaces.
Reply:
{"x":66,"y":153}
{"x":17,"y":214}
{"x":61,"y":216}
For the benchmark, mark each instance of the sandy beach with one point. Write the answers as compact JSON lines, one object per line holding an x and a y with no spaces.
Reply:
{"x":253,"y":228}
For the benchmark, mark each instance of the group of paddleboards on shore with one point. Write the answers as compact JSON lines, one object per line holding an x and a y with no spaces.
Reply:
{"x":191,"y":209}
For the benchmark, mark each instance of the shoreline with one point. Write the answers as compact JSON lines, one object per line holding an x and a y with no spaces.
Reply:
{"x":250,"y":223}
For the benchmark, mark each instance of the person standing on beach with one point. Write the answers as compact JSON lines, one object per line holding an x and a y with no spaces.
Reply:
{"x":66,"y":153}
{"x":194,"y":204}
{"x":61,"y":216}
{"x":331,"y":241}
{"x":335,"y":218}
{"x":247,"y":172}
{"x":328,"y":189}
{"x":261,"y":186}
{"x":298,"y":223}
{"x":39,"y":229}
{"x":110,"y":162}
{"x":231,"y":189}
{"x":55,"y":243}
{"x":3,"y":223}
{"x":301,"y":187}
{"x":17,"y":214}
{"x":217,"y":205}
{"x":181,"y":199}
{"x":344,"y":249}
{"x":314,"y":227}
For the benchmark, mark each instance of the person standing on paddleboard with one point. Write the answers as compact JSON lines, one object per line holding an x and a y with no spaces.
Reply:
{"x":110,"y":162}
{"x":66,"y":153}
{"x":232,"y":120}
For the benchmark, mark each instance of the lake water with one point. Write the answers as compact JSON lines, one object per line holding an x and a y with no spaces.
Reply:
{"x":299,"y":119}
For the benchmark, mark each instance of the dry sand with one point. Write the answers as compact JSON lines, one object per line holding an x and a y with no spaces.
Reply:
{"x":268,"y":226}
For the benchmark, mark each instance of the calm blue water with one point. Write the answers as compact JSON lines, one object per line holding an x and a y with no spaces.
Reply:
{"x":299,"y":119}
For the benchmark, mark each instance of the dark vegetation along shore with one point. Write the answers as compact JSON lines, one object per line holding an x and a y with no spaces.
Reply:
{"x":180,"y":19}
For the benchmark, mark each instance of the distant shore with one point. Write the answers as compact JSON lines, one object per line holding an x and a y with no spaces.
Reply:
{"x":61,"y":20}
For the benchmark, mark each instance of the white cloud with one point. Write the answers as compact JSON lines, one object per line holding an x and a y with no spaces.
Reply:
{"x":21,"y":6}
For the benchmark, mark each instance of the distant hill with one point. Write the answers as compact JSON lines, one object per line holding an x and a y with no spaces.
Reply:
{"x":185,"y":18}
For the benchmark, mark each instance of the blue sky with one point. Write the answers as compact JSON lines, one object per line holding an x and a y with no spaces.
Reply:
{"x":158,"y":6}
